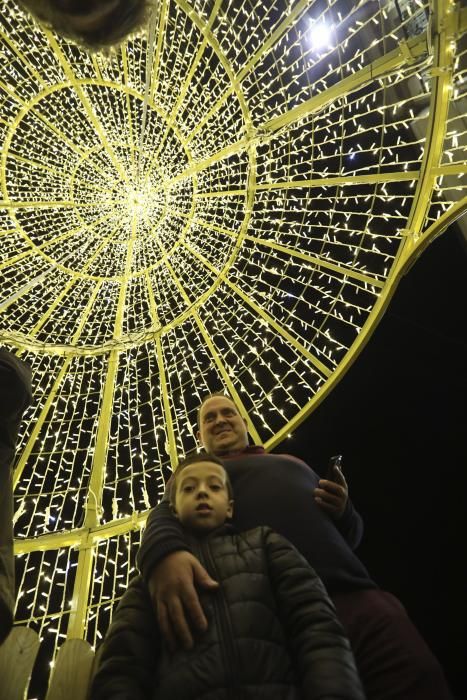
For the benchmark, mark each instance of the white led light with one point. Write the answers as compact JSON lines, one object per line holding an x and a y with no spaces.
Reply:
{"x":321,"y":35}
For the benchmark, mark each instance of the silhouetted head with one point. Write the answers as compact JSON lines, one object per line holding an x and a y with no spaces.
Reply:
{"x":93,"y":24}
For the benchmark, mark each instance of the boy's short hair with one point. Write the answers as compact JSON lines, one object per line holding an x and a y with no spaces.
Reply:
{"x":194,"y":459}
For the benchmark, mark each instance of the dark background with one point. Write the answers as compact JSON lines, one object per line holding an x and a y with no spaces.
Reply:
{"x":399,"y":417}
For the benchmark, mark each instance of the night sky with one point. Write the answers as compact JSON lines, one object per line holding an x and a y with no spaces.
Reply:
{"x":399,"y":417}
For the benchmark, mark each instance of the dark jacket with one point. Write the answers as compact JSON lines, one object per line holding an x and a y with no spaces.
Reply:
{"x":270,"y":608}
{"x":15,"y":395}
{"x":274,"y":490}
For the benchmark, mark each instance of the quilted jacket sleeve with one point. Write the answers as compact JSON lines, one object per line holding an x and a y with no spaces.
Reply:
{"x":324,"y":661}
{"x":127,"y":657}
{"x":350,"y":525}
{"x":163,"y":535}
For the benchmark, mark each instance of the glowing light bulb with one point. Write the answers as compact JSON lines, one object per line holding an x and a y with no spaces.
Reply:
{"x":321,"y":35}
{"x":137,"y":201}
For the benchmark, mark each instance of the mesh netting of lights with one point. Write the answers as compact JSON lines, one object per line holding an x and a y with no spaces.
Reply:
{"x":225,"y":205}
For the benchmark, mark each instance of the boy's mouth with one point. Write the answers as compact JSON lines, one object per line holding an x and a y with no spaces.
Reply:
{"x":203,"y":506}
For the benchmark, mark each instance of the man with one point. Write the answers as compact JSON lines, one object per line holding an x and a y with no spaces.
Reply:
{"x":317,"y":516}
{"x":15,"y":395}
{"x":94,"y":24}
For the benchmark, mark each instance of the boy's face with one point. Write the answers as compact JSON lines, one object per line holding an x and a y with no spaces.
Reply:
{"x":201,"y":498}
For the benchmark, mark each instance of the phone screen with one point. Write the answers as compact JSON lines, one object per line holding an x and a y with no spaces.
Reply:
{"x":335,"y":461}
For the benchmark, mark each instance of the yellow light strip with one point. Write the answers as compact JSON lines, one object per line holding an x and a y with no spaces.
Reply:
{"x":128,"y":109}
{"x":157,"y":55}
{"x":439,"y":103}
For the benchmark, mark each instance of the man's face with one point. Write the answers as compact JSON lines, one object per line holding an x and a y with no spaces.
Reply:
{"x":201,"y":498}
{"x":222,"y":429}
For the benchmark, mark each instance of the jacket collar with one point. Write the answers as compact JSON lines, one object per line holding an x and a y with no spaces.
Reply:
{"x":248,"y":450}
{"x":226,"y":529}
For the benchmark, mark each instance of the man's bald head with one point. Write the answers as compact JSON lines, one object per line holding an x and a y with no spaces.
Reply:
{"x":222,"y":430}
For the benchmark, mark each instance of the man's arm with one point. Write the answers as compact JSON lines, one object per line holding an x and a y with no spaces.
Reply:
{"x":162,"y":536}
{"x":350,"y":525}
{"x":333,"y":497}
{"x":126,"y":659}
{"x":172,"y":575}
{"x":321,"y":652}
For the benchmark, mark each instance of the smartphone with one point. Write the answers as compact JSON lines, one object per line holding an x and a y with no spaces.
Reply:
{"x":335,"y":461}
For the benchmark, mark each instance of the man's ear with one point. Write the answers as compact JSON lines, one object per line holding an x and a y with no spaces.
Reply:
{"x":198,"y":437}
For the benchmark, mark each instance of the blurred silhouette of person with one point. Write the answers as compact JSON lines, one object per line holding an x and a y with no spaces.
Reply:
{"x":15,"y":396}
{"x":93,"y":24}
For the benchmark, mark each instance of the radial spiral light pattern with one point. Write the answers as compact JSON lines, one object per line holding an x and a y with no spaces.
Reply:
{"x":227,"y":208}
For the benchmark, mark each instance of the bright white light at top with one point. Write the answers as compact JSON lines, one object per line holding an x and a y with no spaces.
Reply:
{"x":138,"y":200}
{"x":321,"y":35}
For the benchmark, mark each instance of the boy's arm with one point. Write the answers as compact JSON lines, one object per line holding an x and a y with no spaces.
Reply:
{"x":319,"y":648}
{"x":126,"y":659}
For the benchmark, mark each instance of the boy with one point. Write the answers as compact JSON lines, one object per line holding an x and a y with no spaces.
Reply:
{"x":273,"y":631}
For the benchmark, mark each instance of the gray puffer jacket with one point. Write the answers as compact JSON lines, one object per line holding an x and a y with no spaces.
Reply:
{"x":272,"y":633}
{"x":15,"y":395}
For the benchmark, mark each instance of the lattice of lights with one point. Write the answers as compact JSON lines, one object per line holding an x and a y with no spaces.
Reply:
{"x":228,"y":206}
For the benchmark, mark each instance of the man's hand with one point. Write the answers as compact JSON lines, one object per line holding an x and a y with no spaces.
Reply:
{"x":332,"y":496}
{"x":175,"y":599}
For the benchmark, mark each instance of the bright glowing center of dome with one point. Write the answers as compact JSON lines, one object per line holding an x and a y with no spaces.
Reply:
{"x":138,"y":201}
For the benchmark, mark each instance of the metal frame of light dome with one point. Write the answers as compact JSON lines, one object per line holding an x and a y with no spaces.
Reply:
{"x":448,"y":23}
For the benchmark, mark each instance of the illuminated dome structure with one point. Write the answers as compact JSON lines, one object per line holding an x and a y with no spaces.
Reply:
{"x":226,"y":202}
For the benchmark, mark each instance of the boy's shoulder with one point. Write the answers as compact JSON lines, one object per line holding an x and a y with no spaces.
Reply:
{"x":228,"y":540}
{"x":253,"y":538}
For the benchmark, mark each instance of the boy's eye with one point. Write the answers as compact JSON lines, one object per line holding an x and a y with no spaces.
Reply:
{"x":216,"y":487}
{"x":187,"y":489}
